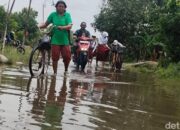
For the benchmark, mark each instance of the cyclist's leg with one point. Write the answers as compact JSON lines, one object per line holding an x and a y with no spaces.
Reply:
{"x":113,"y":59}
{"x":55,"y":51}
{"x":121,"y":59}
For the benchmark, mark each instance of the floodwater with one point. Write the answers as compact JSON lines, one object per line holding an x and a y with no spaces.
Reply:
{"x":98,"y":99}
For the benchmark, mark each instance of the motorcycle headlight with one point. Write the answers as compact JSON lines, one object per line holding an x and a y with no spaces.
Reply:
{"x":83,"y":49}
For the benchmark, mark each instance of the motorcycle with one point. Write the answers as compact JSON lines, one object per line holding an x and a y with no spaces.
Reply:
{"x":82,"y":52}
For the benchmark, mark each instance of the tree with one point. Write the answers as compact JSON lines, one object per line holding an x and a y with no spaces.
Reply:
{"x":140,"y":24}
{"x":170,"y":29}
{"x":29,"y":25}
{"x":2,"y":23}
{"x":123,"y":19}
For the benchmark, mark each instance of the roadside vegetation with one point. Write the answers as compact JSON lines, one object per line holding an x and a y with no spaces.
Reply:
{"x":15,"y":57}
{"x":17,"y":23}
{"x":150,"y":30}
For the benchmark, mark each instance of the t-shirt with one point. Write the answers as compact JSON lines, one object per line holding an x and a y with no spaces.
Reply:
{"x":103,"y":40}
{"x":59,"y":37}
{"x":93,"y":43}
{"x":81,"y":32}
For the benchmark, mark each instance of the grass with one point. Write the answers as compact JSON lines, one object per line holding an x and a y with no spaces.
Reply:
{"x":14,"y":57}
{"x":172,"y":71}
{"x":145,"y":67}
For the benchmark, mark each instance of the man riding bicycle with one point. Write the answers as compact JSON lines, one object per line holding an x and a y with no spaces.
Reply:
{"x":117,"y":50}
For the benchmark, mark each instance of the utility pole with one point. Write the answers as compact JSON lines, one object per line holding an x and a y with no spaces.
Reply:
{"x":53,"y":4}
{"x":43,"y":7}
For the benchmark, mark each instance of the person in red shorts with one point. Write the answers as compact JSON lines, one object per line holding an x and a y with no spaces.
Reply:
{"x":60,"y":37}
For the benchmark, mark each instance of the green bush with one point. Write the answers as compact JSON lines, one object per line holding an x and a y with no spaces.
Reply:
{"x":172,"y":71}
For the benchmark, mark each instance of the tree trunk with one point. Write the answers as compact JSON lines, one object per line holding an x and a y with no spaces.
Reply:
{"x":25,"y":29}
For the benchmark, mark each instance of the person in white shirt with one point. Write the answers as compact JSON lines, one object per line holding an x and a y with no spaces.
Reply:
{"x":93,"y":44}
{"x":102,"y":49}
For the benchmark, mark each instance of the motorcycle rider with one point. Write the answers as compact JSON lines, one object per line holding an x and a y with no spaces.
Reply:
{"x":82,"y":31}
{"x":79,"y":33}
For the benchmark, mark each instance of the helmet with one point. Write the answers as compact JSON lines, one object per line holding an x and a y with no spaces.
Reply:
{"x":105,"y":34}
{"x":12,"y":32}
{"x":115,"y":41}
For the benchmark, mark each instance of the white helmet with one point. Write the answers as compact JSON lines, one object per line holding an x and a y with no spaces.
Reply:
{"x":115,"y":41}
{"x":105,"y":34}
{"x":12,"y":32}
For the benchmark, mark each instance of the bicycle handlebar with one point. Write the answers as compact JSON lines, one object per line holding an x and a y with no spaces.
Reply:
{"x":48,"y":30}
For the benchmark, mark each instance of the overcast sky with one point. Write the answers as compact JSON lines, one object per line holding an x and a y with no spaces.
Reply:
{"x":80,"y":10}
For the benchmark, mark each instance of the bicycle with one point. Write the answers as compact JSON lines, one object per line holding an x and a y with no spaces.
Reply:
{"x":40,"y":55}
{"x":116,"y":58}
{"x":20,"y":47}
{"x":17,"y":44}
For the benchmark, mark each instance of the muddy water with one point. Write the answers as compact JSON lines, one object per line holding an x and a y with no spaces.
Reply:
{"x":96,"y":100}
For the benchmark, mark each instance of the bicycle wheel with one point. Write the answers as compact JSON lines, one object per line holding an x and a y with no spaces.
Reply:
{"x":46,"y":55}
{"x":17,"y":43}
{"x":119,"y":61}
{"x":36,"y":62}
{"x":21,"y":49}
{"x":113,"y":61}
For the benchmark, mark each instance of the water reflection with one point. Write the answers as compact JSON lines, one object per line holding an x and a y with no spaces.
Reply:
{"x":55,"y":105}
{"x":96,"y":100}
{"x":86,"y":91}
{"x":48,"y":102}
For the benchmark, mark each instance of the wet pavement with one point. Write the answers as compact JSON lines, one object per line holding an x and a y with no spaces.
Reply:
{"x":98,"y":99}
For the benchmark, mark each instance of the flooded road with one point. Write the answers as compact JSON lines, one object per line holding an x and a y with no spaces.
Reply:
{"x":99,"y":99}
